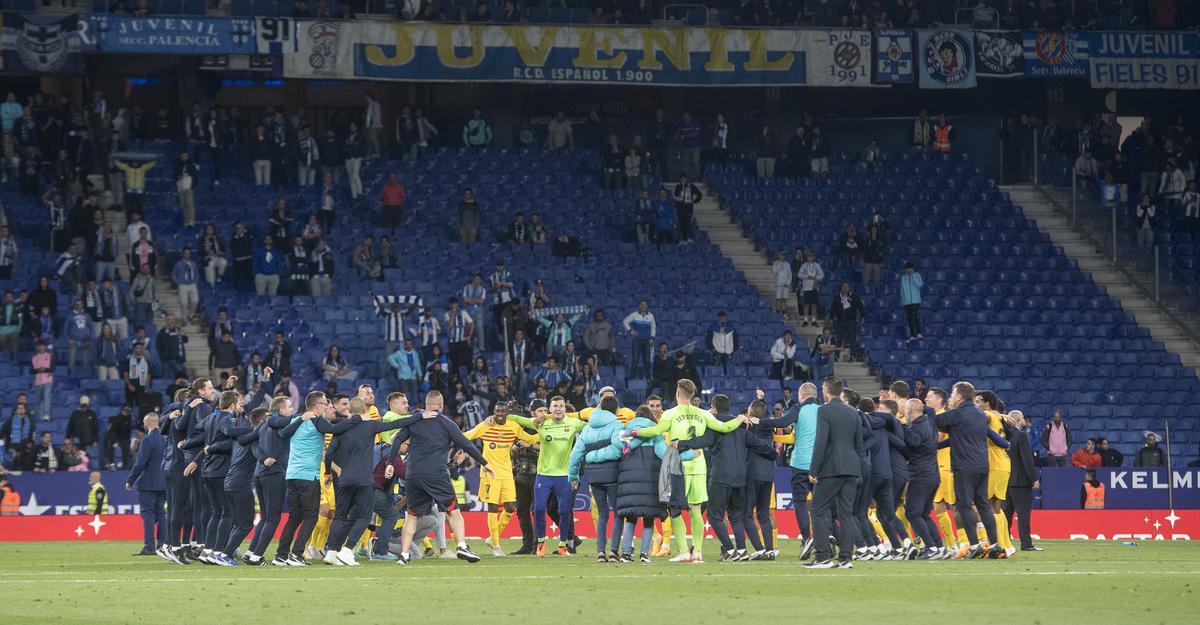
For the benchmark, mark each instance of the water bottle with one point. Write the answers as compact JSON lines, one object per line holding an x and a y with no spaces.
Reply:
{"x":1128,"y":543}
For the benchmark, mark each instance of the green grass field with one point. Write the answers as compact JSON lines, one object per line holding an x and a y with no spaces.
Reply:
{"x":100,"y":584}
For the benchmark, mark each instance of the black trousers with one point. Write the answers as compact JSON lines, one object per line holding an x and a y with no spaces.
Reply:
{"x":460,"y":356}
{"x":241,"y":505}
{"x":828,"y":493}
{"x":801,"y":487}
{"x":1020,"y":501}
{"x":917,"y":506}
{"x":243,"y":271}
{"x":880,"y":490}
{"x":758,"y":507}
{"x":271,"y":490}
{"x":353,"y":514}
{"x":683,"y":212}
{"x":727,"y":500}
{"x":220,"y":517}
{"x":200,"y":509}
{"x":304,"y":502}
{"x":912,"y":312}
{"x":970,"y":487}
{"x":525,"y":509}
{"x":179,"y":508}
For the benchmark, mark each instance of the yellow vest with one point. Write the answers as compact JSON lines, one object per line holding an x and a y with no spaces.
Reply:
{"x":97,"y":499}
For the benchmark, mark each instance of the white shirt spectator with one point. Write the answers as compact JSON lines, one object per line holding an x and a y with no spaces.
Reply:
{"x":781,"y":351}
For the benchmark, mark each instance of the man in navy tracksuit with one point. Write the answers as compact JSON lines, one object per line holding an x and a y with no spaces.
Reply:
{"x":214,"y":448}
{"x":760,"y":482}
{"x":967,"y":426}
{"x":898,"y":451}
{"x":851,"y":400}
{"x":921,"y":438}
{"x":147,"y":476}
{"x":427,"y":480}
{"x":349,"y":459}
{"x":726,"y":480}
{"x":196,"y":414}
{"x":271,"y":451}
{"x":179,"y":504}
{"x":879,"y":487}
{"x":239,"y":481}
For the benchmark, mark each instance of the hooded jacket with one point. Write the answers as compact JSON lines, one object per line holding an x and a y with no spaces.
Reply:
{"x":637,"y":471}
{"x":601,"y":426}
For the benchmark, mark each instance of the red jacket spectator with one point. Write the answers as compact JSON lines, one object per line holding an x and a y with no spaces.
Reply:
{"x":1086,"y":457}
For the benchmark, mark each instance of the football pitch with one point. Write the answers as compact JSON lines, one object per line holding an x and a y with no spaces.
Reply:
{"x":1069,"y":582}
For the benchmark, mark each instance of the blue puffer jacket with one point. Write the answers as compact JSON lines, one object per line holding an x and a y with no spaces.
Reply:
{"x":637,"y":477}
{"x":600,"y":429}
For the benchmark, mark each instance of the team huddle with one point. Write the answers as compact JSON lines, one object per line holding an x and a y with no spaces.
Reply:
{"x":875,"y":471}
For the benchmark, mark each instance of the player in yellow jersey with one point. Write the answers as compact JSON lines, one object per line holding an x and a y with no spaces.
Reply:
{"x":328,"y":507}
{"x":623,"y":414}
{"x":943,"y":499}
{"x":999,"y":467}
{"x":499,"y":490}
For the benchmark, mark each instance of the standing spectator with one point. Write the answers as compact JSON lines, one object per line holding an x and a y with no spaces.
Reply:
{"x":145,"y":294}
{"x":782,"y":270}
{"x":559,"y":134}
{"x":217,"y":129}
{"x":874,"y":251}
{"x":1144,"y":222}
{"x":137,"y":377}
{"x":783,"y":357}
{"x":78,"y":332}
{"x":809,"y":278}
{"x":279,"y":357}
{"x":42,"y":366}
{"x":476,"y":132}
{"x":720,"y":139}
{"x":520,"y":362}
{"x":502,"y":284}
{"x":872,"y":157}
{"x":1151,"y":158}
{"x":297,"y":268}
{"x":308,"y":157}
{"x":142,"y":251}
{"x":185,"y":176}
{"x":558,"y":333}
{"x":1190,"y":219}
{"x":392,"y":197}
{"x":407,"y":363}
{"x":11,"y":321}
{"x":847,"y":312}
{"x":1086,"y":168}
{"x":723,"y":341}
{"x":850,"y":244}
{"x":664,"y":210}
{"x":819,"y":151}
{"x":612,"y":157}
{"x":767,"y":152}
{"x":104,"y":255}
{"x":321,"y":267}
{"x":10,"y":253}
{"x":642,"y":331}
{"x":1150,"y":455}
{"x":212,"y":252}
{"x":224,"y":358}
{"x":372,"y":123}
{"x":18,"y":429}
{"x":187,"y":277}
{"x":1171,"y":188}
{"x":107,"y":354}
{"x":171,"y":347}
{"x":1109,"y":457}
{"x":633,"y":169}
{"x":659,"y":134}
{"x":82,"y":426}
{"x":663,"y":377}
{"x":474,"y":296}
{"x":115,"y":304}
{"x":135,"y":183}
{"x":687,"y":137}
{"x":799,"y":151}
{"x":353,"y":151}
{"x":537,"y":229}
{"x":686,"y":197}
{"x":241,"y":247}
{"x":268,"y":265}
{"x":261,"y":150}
{"x":408,"y":135}
{"x":643,"y":216}
{"x":47,"y":457}
{"x":1087,"y":457}
{"x":429,"y":329}
{"x":468,"y":217}
{"x":599,"y":338}
{"x":117,"y":432}
{"x":459,"y":326}
{"x":910,"y":298}
{"x":922,"y":134}
{"x":1056,"y":440}
{"x":518,"y":231}
{"x":331,"y":156}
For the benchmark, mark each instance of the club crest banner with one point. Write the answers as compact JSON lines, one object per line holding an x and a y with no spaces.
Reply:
{"x":1055,"y":54}
{"x":947,"y":59}
{"x":893,"y":54}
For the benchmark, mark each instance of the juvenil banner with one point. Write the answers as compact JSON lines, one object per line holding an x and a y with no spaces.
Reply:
{"x":1145,"y":60}
{"x":173,"y":35}
{"x":579,"y":54}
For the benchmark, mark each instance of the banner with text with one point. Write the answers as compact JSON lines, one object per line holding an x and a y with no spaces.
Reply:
{"x":579,"y":54}
{"x":173,"y":35}
{"x":998,"y":54}
{"x":41,"y":43}
{"x":1055,"y":54}
{"x":947,"y":59}
{"x":893,"y":55}
{"x":1137,"y":60}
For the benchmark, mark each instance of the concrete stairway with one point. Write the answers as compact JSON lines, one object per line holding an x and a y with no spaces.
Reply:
{"x":1048,"y":218}
{"x":756,"y":265}
{"x":168,"y":296}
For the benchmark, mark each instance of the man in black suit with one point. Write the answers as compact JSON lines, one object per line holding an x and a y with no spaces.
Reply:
{"x":835,"y":472}
{"x":1022,"y":481}
{"x":151,"y":482}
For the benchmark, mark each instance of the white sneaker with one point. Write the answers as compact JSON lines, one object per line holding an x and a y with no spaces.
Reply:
{"x":346,"y":555}
{"x":1010,"y":552}
{"x":683,"y":557}
{"x":311,"y":553}
{"x":488,"y":542}
{"x":331,"y":558}
{"x":448,"y":555}
{"x":498,"y":552}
